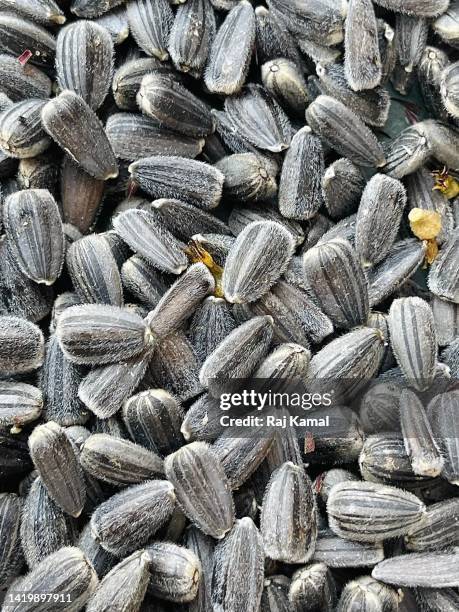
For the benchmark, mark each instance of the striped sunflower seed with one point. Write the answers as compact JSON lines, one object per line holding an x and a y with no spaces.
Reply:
{"x":375,"y":233}
{"x":93,"y":270}
{"x":61,"y":303}
{"x":259,"y":119}
{"x":344,"y":229}
{"x":409,"y":151}
{"x":17,"y":34}
{"x":101,"y":560}
{"x":21,"y":132}
{"x":150,"y":24}
{"x":19,"y":82}
{"x":174,"y":572}
{"x":344,"y":132}
{"x":231,"y":51}
{"x":379,"y":408}
{"x":46,"y":12}
{"x":210,"y":325}
{"x":362,"y":60}
{"x":84,"y":61}
{"x":231,"y":589}
{"x":76,"y":129}
{"x":325,"y":481}
{"x":251,"y":268}
{"x":59,"y":382}
{"x":188,"y":180}
{"x":56,"y":461}
{"x":446,"y":316}
{"x":342,"y":186}
{"x":142,"y":281}
{"x":443,"y":279}
{"x":288,"y":521}
{"x":287,"y":362}
{"x":313,"y":587}
{"x":446,"y":25}
{"x":284,"y":80}
{"x":88,"y":9}
{"x":365,"y":593}
{"x":300,"y":187}
{"x":81,"y":195}
{"x":22,"y":346}
{"x":430,"y":68}
{"x":417,"y":434}
{"x":442,"y":413}
{"x":128,"y":77}
{"x":334,"y":275}
{"x":95,"y":334}
{"x":337,"y":553}
{"x":413,"y":340}
{"x":206,"y":501}
{"x":272,"y":40}
{"x":370,"y":512}
{"x":127,"y":520}
{"x":67,"y":572}
{"x":203,"y":547}
{"x":248,"y":177}
{"x":11,"y":559}
{"x":20,"y":404}
{"x":116,"y":23}
{"x":124,"y":587}
{"x":410,"y":40}
{"x":241,"y":217}
{"x":40,"y":172}
{"x":153,"y":419}
{"x":430,"y":570}
{"x":422,"y":8}
{"x":439,"y":529}
{"x":446,"y":600}
{"x":202,"y":420}
{"x":45,"y":528}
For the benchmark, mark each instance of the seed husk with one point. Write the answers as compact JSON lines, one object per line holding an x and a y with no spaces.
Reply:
{"x":128,"y":77}
{"x":202,"y":420}
{"x":22,"y":82}
{"x":430,"y":570}
{"x":45,"y":12}
{"x":150,"y":24}
{"x":443,"y":279}
{"x":272,"y":40}
{"x":81,"y":195}
{"x":445,"y":600}
{"x":441,"y":411}
{"x":313,"y":587}
{"x":423,"y":8}
{"x":203,"y":547}
{"x":336,"y":552}
{"x":21,"y":133}
{"x":20,"y":404}
{"x":379,"y":408}
{"x":248,"y":177}
{"x":439,"y":529}
{"x":284,"y":80}
{"x":88,"y":9}
{"x":116,"y":23}
{"x":342,"y":185}
{"x":210,"y":325}
{"x":410,"y":40}
{"x":21,"y":345}
{"x":241,"y":217}
{"x":11,"y":508}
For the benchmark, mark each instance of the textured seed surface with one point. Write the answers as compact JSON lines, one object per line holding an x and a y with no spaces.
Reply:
{"x":21,"y":133}
{"x":21,"y":345}
{"x":20,"y":404}
{"x":175,"y":572}
{"x":431,"y":570}
{"x":150,"y":24}
{"x":362,"y":62}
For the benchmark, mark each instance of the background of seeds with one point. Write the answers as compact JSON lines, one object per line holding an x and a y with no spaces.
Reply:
{"x":120,"y":487}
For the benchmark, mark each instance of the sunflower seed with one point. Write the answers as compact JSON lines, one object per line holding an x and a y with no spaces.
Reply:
{"x":319,"y":55}
{"x":17,"y":34}
{"x":365,"y":593}
{"x":21,"y":345}
{"x":251,"y":267}
{"x":66,"y":572}
{"x":442,"y":412}
{"x":421,"y":8}
{"x":443,"y":279}
{"x":430,"y":68}
{"x":207,"y":500}
{"x":342,"y":186}
{"x":248,"y":177}
{"x":272,"y":40}
{"x":150,"y":25}
{"x":231,"y":51}
{"x":344,"y":131}
{"x":325,"y":481}
{"x":446,"y":25}
{"x":241,"y":217}
{"x":259,"y":119}
{"x":444,"y":600}
{"x":20,"y":404}
{"x":379,"y":408}
{"x":22,"y":82}
{"x":57,"y":464}
{"x":407,"y":152}
{"x":284,"y":80}
{"x":40,"y":172}
{"x":370,"y":512}
{"x":430,"y":570}
{"x":210,"y":325}
{"x":11,"y":508}
{"x":344,"y":229}
{"x":375,"y":233}
{"x":446,"y":315}
{"x":124,"y":587}
{"x":76,"y":129}
{"x":313,"y":588}
{"x":410,"y":40}
{"x":21,"y":133}
{"x":203,"y":547}
{"x":143,"y":281}
{"x":128,"y":77}
{"x":338,"y":553}
{"x":362,"y":60}
{"x":153,"y":419}
{"x":188,"y":180}
{"x":100,"y":559}
{"x":202,"y":420}
{"x":191,"y":36}
{"x":46,"y":12}
{"x":84,"y":61}
{"x":45,"y":528}
{"x":116,"y":23}
{"x":81,"y":195}
{"x":127,"y":520}
{"x":88,"y":9}
{"x":439,"y":529}
{"x":232,"y":590}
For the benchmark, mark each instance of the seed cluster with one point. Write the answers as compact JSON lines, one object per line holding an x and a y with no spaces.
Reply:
{"x":194,"y":192}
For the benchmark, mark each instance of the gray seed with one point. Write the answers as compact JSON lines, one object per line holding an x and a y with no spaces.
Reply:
{"x":210,"y":325}
{"x":88,"y":9}
{"x":57,"y":464}
{"x":338,"y":553}
{"x":142,"y":281}
{"x":443,"y":279}
{"x":421,"y":8}
{"x":387,"y":49}
{"x":128,"y":77}
{"x":202,"y":488}
{"x":288,"y":520}
{"x":119,"y":462}
{"x":439,"y":529}
{"x":21,"y":345}
{"x":67,"y":572}
{"x":367,"y":594}
{"x":371,"y":105}
{"x":241,"y":217}
{"x":20,"y":404}
{"x":248,"y":177}
{"x":81,"y":195}
{"x":252,"y":267}
{"x":362,"y":60}
{"x":22,"y":82}
{"x":97,"y":334}
{"x":224,"y":5}
{"x":46,"y":12}
{"x":344,"y":229}
{"x":105,"y":389}
{"x":417,"y":434}
{"x":259,"y":119}
{"x":288,"y":362}
{"x":344,"y":131}
{"x":410,"y":40}
{"x":438,"y":600}
{"x":191,"y":36}
{"x":94,"y":272}
{"x":203,"y":547}
{"x":313,"y":588}
{"x":233,"y":590}
{"x":407,"y":152}
{"x":325,"y":481}
{"x":431,"y":570}
{"x":150,"y":24}
{"x":405,"y":258}
{"x":101,"y":560}
{"x":61,"y":303}
{"x":40,"y":172}
{"x":127,"y":520}
{"x":202,"y":420}
{"x":442,"y":413}
{"x":45,"y":528}
{"x":230,"y":136}
{"x":379,"y":408}
{"x":231,"y":51}
{"x":182,"y":179}
{"x":59,"y":382}
{"x":11,"y":508}
{"x":378,"y":218}
{"x":284,"y":80}
{"x":84,"y":61}
{"x":430,"y":68}
{"x":446,"y":316}
{"x":116,"y":23}
{"x":175,"y":572}
{"x":300,"y":187}
{"x":342,"y":186}
{"x":76,"y":129}
{"x":124,"y":587}
{"x":21,"y":132}
{"x":319,"y":54}
{"x":370,"y":512}
{"x":413,"y":340}
{"x":153,"y":419}
{"x":446,"y":26}
{"x":17,"y":34}
{"x":272,"y":40}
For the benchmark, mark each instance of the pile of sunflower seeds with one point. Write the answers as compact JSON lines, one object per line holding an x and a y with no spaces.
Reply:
{"x":201,"y":191}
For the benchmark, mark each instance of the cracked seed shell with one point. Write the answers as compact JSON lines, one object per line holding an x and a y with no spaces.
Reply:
{"x":150,"y":23}
{"x":21,"y":133}
{"x":22,"y":345}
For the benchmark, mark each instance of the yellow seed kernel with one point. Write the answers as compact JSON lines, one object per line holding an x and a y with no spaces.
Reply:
{"x":425,"y":224}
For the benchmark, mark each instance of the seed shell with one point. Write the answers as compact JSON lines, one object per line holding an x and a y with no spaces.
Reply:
{"x":248,"y":177}
{"x":443,"y":279}
{"x":272,"y":40}
{"x":22,"y":82}
{"x":442,"y":413}
{"x":284,"y":80}
{"x":421,"y":8}
{"x":444,"y":600}
{"x":116,"y":23}
{"x":313,"y":587}
{"x":142,"y":281}
{"x":46,"y":12}
{"x":21,"y":132}
{"x":241,"y":217}
{"x":410,"y":40}
{"x":88,"y":9}
{"x":21,"y":345}
{"x":175,"y":572}
{"x":439,"y":529}
{"x":20,"y":404}
{"x":379,"y":408}
{"x":430,"y":570}
{"x":338,"y":553}
{"x":150,"y":23}
{"x":11,"y":558}
{"x":342,"y":186}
